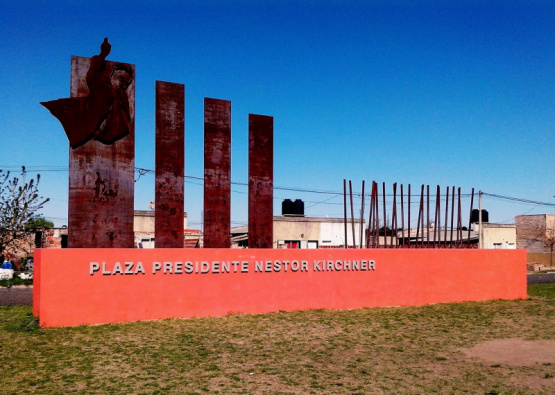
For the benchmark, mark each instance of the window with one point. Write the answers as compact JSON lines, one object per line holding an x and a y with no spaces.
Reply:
{"x":292,"y":244}
{"x":312,"y":244}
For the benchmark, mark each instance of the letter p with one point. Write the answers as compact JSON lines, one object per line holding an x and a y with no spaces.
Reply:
{"x":93,"y":267}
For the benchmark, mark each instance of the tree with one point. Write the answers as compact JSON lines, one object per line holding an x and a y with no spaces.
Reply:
{"x":548,"y":239}
{"x":19,"y":203}
{"x":39,"y":222}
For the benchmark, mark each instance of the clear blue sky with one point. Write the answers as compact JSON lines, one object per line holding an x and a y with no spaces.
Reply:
{"x":421,"y":92}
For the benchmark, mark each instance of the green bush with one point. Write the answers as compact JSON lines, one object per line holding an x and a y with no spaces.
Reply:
{"x":15,"y":281}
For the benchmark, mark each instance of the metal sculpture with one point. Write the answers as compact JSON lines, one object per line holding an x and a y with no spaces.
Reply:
{"x":217,"y":173}
{"x":170,"y":165}
{"x":261,"y":181}
{"x":103,"y":113}
{"x":99,"y":121}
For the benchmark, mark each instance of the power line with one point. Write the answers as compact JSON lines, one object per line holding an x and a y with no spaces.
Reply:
{"x":143,"y":171}
{"x":519,"y":199}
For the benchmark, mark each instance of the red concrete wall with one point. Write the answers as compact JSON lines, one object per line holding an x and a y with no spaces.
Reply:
{"x":66,"y":293}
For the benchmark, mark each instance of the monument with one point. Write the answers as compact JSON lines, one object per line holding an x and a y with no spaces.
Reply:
{"x":99,"y":121}
{"x":101,"y":279}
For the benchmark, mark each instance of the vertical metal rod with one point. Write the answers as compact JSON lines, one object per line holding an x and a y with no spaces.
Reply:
{"x":452,"y":216}
{"x":408,"y":217}
{"x":369,"y":233}
{"x":438,"y":218}
{"x":470,"y":218}
{"x":420,"y":210}
{"x":384,"y":217}
{"x":352,"y":215}
{"x":394,"y":217}
{"x":377,"y":214}
{"x":427,"y":216}
{"x":370,"y":236}
{"x":480,"y":233}
{"x":459,"y":221}
{"x":402,"y":218}
{"x":362,"y":215}
{"x":446,"y":218}
{"x":422,"y":219}
{"x":345,"y":209}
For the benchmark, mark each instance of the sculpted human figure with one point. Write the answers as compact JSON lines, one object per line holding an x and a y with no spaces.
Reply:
{"x":104,"y":113}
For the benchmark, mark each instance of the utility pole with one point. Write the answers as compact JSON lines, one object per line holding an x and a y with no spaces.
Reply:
{"x":480,"y":233}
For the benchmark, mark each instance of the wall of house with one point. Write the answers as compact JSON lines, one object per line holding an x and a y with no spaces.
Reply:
{"x":333,"y":233}
{"x":498,"y":236}
{"x":545,"y":258}
{"x":531,"y":232}
{"x":314,"y":232}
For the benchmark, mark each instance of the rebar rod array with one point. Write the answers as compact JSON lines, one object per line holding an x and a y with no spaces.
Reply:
{"x":397,"y":231}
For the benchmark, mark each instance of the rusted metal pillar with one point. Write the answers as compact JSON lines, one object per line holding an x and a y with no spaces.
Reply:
{"x":362,"y":216}
{"x":402,"y":218}
{"x":385,"y":244}
{"x":437,"y":218}
{"x":345,"y":212}
{"x":408,"y":215}
{"x":446,"y":217}
{"x":452,"y":216}
{"x":420,"y":218}
{"x":170,"y":164}
{"x":352,"y":215}
{"x":470,"y":218}
{"x":377,"y":215}
{"x":394,"y":217}
{"x":217,"y":173}
{"x":261,"y":181}
{"x":101,"y":176}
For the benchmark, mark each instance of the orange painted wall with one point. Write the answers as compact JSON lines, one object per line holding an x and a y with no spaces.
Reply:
{"x":66,"y":294}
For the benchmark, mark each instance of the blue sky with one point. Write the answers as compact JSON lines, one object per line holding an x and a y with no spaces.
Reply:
{"x":414,"y":92}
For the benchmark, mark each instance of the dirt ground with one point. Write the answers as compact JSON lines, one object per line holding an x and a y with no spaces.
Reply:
{"x":514,"y":352}
{"x":508,"y":353}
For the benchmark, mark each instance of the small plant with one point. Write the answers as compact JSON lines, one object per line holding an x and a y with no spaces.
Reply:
{"x":16,"y":280}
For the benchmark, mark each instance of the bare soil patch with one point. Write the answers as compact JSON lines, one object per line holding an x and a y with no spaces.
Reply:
{"x":514,"y":352}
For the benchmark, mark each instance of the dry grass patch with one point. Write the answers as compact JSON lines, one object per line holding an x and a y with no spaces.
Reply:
{"x":382,"y":350}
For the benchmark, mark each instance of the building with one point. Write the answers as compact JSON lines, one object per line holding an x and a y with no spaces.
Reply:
{"x":296,"y":231}
{"x":536,"y":234}
{"x":497,"y":236}
{"x":143,"y":230}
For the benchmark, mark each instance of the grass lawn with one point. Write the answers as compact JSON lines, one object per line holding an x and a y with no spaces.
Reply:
{"x":381,"y":350}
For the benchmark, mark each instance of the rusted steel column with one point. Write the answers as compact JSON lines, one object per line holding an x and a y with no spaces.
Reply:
{"x":170,"y":164}
{"x":345,"y":212}
{"x":470,"y":219}
{"x":261,"y":181}
{"x":446,"y":217}
{"x":394,"y":217}
{"x":101,"y":176}
{"x":402,"y":218}
{"x":217,"y":173}
{"x":352,"y":215}
{"x":362,"y":216}
{"x":384,"y":217}
{"x":408,"y":214}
